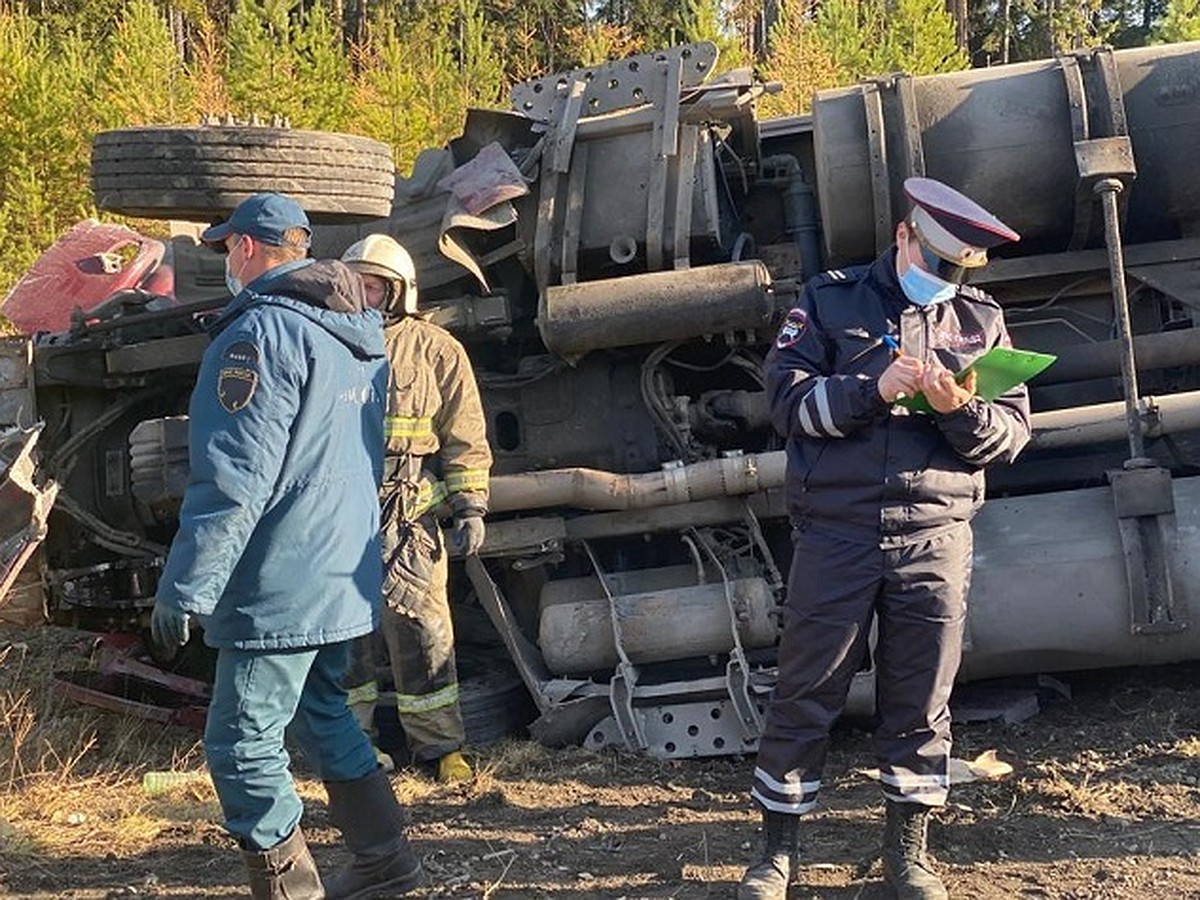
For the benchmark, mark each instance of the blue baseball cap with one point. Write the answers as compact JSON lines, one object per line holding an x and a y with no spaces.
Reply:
{"x":264,"y":217}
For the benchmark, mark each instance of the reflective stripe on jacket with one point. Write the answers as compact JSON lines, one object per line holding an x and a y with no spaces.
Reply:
{"x":435,"y":415}
{"x":857,"y":466}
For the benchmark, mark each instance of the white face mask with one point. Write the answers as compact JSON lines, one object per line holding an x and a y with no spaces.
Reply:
{"x":923,"y":288}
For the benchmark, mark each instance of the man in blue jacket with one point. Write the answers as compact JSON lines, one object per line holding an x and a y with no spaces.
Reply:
{"x":277,"y":553}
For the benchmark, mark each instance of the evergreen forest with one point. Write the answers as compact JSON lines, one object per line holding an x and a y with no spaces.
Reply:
{"x":405,"y":72}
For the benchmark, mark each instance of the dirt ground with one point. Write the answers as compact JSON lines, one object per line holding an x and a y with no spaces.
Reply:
{"x":1104,"y":802}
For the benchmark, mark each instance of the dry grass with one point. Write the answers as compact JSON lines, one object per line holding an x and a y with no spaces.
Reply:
{"x":70,"y":777}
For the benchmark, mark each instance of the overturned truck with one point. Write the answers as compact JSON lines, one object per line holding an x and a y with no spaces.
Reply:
{"x":616,"y":253}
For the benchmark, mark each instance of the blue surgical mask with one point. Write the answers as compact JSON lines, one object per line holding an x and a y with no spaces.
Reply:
{"x":232,"y":282}
{"x":924,"y":288}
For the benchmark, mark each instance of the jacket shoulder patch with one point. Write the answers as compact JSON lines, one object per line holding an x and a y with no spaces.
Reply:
{"x":792,"y":329}
{"x":238,"y":376}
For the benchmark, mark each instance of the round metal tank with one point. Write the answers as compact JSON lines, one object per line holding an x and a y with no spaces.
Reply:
{"x":1049,"y":590}
{"x":651,"y":307}
{"x":664,"y":616}
{"x":1005,"y":137}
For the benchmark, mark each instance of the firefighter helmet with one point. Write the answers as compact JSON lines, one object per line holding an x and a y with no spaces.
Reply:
{"x":381,"y":255}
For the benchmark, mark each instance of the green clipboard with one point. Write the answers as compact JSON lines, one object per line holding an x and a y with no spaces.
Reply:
{"x":997,"y":371}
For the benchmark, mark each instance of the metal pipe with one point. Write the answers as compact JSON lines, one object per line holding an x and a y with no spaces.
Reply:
{"x":593,"y":489}
{"x":652,"y":307}
{"x":799,"y":209}
{"x":1080,"y":362}
{"x":1108,"y":188}
{"x":1106,"y":422}
{"x":739,"y":475}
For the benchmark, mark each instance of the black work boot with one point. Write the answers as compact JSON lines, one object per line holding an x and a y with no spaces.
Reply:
{"x":368,"y":815}
{"x":768,"y":878}
{"x":905,"y":866}
{"x":285,"y":872}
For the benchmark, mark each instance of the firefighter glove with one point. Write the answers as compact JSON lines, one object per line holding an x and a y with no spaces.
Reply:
{"x":467,"y":533}
{"x":169,"y":627}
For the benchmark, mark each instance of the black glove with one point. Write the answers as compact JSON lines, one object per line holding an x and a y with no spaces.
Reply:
{"x":467,"y":533}
{"x":169,"y":627}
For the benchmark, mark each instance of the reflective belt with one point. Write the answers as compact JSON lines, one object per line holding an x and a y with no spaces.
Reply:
{"x":419,"y":703}
{"x":408,"y":426}
{"x":363,"y":693}
{"x":461,"y":480}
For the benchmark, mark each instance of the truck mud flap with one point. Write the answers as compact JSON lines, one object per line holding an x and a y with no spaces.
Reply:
{"x":24,"y":505}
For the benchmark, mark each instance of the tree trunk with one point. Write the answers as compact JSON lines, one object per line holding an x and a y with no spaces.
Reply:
{"x":1005,"y":30}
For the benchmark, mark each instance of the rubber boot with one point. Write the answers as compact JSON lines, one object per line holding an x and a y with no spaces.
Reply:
{"x":768,"y":878}
{"x":905,"y":866}
{"x":454,"y":767}
{"x":368,"y":815}
{"x":285,"y":872}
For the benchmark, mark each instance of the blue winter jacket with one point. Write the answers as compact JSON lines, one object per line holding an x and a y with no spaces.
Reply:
{"x":278,"y":541}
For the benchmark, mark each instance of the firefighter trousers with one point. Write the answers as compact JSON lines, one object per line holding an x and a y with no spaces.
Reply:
{"x":416,"y":625}
{"x":916,"y":594}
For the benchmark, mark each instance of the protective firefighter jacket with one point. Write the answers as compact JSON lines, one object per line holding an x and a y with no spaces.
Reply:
{"x":435,"y":417}
{"x":278,"y":542}
{"x":897,"y":477}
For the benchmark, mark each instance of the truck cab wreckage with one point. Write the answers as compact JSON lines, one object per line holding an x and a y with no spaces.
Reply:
{"x":616,"y":253}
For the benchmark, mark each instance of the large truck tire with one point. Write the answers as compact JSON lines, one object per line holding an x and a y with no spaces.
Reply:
{"x":203,"y":172}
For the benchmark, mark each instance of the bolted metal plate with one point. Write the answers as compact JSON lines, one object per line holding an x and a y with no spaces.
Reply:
{"x":682,"y":730}
{"x":616,"y":85}
{"x":1142,"y":492}
{"x":1110,"y":157}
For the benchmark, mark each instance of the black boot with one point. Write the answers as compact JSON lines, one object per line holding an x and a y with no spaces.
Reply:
{"x":905,"y":865}
{"x":768,"y":878}
{"x":369,"y":817}
{"x":285,"y":872}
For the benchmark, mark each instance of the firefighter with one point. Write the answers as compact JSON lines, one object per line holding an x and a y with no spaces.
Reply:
{"x":437,"y":462}
{"x":881,"y":498}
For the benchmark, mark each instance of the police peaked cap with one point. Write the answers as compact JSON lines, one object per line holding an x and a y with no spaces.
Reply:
{"x":952,"y":225}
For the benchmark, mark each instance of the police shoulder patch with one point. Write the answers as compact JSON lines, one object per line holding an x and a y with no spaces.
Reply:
{"x":792,"y":329}
{"x":238,"y":376}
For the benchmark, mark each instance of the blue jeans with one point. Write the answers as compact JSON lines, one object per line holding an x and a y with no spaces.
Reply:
{"x":257,"y":694}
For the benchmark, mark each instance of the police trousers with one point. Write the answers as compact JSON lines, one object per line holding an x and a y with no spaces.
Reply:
{"x":257,"y":695}
{"x":916,"y":595}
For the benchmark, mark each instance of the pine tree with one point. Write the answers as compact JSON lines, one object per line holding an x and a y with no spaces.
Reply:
{"x":798,"y":60}
{"x":47,"y":118}
{"x":919,"y":38}
{"x":141,"y":53}
{"x":259,"y":67}
{"x":321,"y":72}
{"x":1181,"y":22}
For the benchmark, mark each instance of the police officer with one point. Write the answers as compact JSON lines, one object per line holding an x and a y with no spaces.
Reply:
{"x":285,"y":431}
{"x":437,"y":464}
{"x":881,"y":498}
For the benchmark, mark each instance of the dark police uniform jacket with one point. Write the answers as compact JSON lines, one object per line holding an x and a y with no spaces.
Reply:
{"x":860,"y":468}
